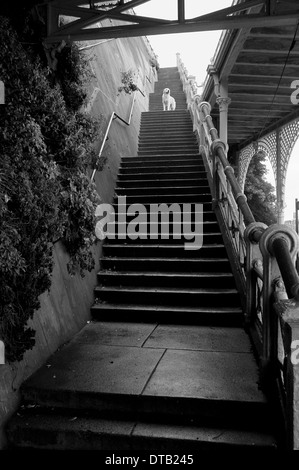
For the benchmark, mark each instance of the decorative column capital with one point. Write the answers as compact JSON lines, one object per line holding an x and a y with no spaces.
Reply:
{"x":223,"y":103}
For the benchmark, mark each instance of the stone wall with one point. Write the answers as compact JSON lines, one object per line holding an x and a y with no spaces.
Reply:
{"x":66,"y":308}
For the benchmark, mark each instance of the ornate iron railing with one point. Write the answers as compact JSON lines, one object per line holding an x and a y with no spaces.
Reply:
{"x":263,"y":260}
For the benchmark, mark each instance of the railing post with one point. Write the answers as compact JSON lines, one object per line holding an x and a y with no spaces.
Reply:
{"x":288,"y":314}
{"x":271,"y":272}
{"x":253,"y":253}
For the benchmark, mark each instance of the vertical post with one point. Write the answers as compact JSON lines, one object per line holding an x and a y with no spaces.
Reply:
{"x":253,"y":255}
{"x":279,"y":194}
{"x":223,"y":101}
{"x":289,"y":317}
{"x":181,"y":11}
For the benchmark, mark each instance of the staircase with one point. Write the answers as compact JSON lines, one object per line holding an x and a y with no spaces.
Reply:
{"x":165,"y":364}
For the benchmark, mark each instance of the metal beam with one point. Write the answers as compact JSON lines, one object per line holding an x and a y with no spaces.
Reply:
{"x":233,"y":9}
{"x":233,"y":22}
{"x":272,"y":127}
{"x":181,"y":11}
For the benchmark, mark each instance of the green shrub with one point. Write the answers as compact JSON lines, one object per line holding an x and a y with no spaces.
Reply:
{"x":46,"y":149}
{"x":72,"y":72}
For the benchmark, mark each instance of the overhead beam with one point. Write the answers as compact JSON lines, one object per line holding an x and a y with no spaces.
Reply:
{"x":89,"y":16}
{"x":232,"y":22}
{"x":233,"y":9}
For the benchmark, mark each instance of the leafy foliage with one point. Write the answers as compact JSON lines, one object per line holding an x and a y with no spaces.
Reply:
{"x":259,"y":191}
{"x":46,"y":148}
{"x":127,"y":80}
{"x":72,"y":73}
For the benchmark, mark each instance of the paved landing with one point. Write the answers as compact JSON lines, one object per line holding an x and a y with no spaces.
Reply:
{"x":154,"y":360}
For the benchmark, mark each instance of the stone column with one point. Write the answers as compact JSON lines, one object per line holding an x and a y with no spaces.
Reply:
{"x":223,"y":102}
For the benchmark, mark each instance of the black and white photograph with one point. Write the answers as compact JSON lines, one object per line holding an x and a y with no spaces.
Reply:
{"x":149,"y":248}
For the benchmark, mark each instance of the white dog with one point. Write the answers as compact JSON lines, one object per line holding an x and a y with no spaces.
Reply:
{"x":168,"y":101}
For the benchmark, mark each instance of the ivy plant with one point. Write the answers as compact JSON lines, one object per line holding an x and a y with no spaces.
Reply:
{"x":47,"y":148}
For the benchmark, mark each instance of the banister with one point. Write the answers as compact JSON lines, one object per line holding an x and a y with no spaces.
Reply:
{"x":279,"y":245}
{"x":281,"y":242}
{"x":271,"y":289}
{"x":113,"y":116}
{"x":219,"y":147}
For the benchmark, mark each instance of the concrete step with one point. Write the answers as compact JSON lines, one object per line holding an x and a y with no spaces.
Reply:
{"x":179,"y":150}
{"x":174,"y":256}
{"x":146,"y":386}
{"x":157,"y":190}
{"x":162,"y":182}
{"x":121,"y":208}
{"x":62,"y":432}
{"x":165,"y":279}
{"x":196,"y":197}
{"x":167,"y":139}
{"x":170,"y":129}
{"x":175,"y":295}
{"x":166,"y":263}
{"x":162,"y":146}
{"x":170,"y":138}
{"x":146,"y":178}
{"x":176,"y":228}
{"x":168,"y":314}
{"x":181,"y":167}
{"x":163,"y":160}
{"x":156,"y":373}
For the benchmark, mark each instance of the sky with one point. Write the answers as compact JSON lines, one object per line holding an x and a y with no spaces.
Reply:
{"x":197,"y":51}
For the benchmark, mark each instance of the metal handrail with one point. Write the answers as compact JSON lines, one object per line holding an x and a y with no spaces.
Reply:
{"x":113,"y":116}
{"x":280,"y":245}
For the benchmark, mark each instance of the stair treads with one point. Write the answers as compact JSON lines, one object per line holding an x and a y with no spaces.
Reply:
{"x":215,"y":291}
{"x":89,"y":433}
{"x":155,"y":372}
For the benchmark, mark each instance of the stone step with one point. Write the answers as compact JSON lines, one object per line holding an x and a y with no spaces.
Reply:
{"x":121,"y":208}
{"x":62,"y":432}
{"x":145,"y":178}
{"x":165,"y":279}
{"x":162,"y":146}
{"x":166,"y":263}
{"x":162,"y":182}
{"x":179,"y":150}
{"x":168,"y":314}
{"x":160,"y":190}
{"x":157,"y":372}
{"x":196,"y":198}
{"x":167,"y":168}
{"x":174,"y":255}
{"x":175,"y":295}
{"x":162,"y":160}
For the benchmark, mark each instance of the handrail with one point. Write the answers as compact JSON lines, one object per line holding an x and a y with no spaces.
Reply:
{"x":219,"y":148}
{"x":113,"y":116}
{"x":270,"y":282}
{"x":280,"y":245}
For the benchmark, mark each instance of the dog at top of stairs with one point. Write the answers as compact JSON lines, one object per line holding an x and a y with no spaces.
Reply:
{"x":168,"y":101}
